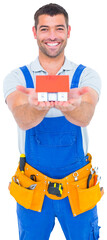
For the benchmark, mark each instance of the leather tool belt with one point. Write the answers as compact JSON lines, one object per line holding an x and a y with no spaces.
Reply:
{"x":30,"y":187}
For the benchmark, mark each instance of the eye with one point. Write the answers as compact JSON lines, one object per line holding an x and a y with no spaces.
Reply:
{"x":60,"y":29}
{"x":44,"y":29}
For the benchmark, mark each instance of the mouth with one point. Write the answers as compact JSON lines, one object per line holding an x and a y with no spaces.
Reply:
{"x":50,"y":44}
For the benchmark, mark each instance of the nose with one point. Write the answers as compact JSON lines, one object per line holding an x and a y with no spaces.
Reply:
{"x":52,"y":34}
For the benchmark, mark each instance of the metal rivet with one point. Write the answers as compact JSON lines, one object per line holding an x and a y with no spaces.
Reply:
{"x":26,"y":168}
{"x":39,"y":211}
{"x":77,"y":185}
{"x":36,"y":174}
{"x":66,"y":177}
{"x":45,"y":177}
{"x":67,"y":183}
{"x":44,"y":190}
{"x":68,"y":192}
{"x":87,"y":169}
{"x":74,"y":214}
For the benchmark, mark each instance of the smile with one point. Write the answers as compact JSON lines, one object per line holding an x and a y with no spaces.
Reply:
{"x":52,"y":44}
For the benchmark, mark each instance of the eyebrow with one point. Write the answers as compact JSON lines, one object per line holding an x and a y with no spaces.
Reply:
{"x":60,"y":25}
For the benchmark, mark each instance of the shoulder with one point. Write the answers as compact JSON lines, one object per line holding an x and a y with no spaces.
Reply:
{"x":90,"y":78}
{"x":10,"y":82}
{"x":12,"y":79}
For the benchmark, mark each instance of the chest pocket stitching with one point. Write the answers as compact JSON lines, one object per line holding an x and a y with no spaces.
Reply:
{"x":56,"y":140}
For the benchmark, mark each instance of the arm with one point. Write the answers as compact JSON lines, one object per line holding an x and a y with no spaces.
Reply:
{"x":26,"y":109}
{"x":80,"y":106}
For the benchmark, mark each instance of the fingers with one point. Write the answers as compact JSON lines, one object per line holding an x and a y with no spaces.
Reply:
{"x":65,"y":106}
{"x":33,"y":98}
{"x":77,"y":92}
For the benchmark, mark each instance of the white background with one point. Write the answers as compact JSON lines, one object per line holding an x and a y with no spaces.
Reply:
{"x":87,"y":45}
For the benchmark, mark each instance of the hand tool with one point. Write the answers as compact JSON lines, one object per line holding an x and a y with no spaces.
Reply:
{"x":98,"y":179}
{"x":90,"y":177}
{"x":33,"y":177}
{"x":22,"y":162}
{"x":16,"y":180}
{"x":32,"y":187}
{"x":55,"y":189}
{"x":96,"y":175}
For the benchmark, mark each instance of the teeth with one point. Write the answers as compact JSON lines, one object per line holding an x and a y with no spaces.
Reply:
{"x":52,"y":44}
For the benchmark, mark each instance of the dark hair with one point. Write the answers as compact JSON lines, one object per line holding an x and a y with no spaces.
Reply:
{"x":50,"y":9}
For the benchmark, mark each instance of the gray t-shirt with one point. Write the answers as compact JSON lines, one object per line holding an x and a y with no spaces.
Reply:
{"x":88,"y":78}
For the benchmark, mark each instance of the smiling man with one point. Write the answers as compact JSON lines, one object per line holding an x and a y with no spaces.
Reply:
{"x":52,"y":36}
{"x":53,"y":138}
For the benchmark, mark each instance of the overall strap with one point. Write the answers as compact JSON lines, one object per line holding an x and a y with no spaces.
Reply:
{"x":76,"y":76}
{"x":28,"y":77}
{"x":74,"y":83}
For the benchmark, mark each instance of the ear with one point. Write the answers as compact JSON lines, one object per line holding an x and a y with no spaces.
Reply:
{"x":69,"y":30}
{"x":34,"y":32}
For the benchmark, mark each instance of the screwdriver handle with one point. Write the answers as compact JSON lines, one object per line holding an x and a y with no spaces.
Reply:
{"x":22,"y":162}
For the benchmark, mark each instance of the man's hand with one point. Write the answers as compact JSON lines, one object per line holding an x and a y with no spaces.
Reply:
{"x":74,"y":99}
{"x":33,"y":98}
{"x":26,"y":109}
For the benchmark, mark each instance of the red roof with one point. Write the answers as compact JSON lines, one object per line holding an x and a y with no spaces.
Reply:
{"x":52,"y":83}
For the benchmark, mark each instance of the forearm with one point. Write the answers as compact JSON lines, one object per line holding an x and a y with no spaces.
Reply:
{"x":80,"y":116}
{"x":80,"y":107}
{"x":26,"y":109}
{"x":27,"y":116}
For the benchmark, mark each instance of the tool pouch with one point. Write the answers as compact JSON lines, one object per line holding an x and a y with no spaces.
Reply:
{"x":30,"y":199}
{"x":83,"y":198}
{"x":80,"y":197}
{"x":89,"y":197}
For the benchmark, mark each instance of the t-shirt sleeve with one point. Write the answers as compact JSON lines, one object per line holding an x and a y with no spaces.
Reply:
{"x":90,"y":78}
{"x":12,"y":80}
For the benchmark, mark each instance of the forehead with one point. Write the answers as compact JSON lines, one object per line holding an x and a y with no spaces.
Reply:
{"x":58,"y":19}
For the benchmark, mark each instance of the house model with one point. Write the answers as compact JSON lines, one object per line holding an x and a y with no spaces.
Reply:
{"x":52,"y":87}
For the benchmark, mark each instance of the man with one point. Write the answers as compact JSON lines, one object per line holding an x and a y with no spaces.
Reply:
{"x":53,"y":135}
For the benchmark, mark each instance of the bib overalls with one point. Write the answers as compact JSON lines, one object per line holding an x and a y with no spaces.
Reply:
{"x":55,"y":148}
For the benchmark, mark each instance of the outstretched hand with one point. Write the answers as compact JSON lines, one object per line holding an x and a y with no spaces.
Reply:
{"x":74,"y":99}
{"x":33,"y":98}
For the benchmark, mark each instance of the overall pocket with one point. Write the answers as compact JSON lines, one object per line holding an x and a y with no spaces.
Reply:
{"x":94,"y":234}
{"x":55,"y":150}
{"x":53,"y":144}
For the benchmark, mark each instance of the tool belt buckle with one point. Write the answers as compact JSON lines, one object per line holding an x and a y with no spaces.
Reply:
{"x":55,"y":189}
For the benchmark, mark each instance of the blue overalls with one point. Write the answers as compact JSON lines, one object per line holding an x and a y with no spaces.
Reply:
{"x":55,"y":148}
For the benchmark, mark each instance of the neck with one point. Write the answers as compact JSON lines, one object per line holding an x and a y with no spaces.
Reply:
{"x":51,"y":65}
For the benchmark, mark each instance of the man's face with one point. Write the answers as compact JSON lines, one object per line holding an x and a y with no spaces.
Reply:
{"x":51,"y":35}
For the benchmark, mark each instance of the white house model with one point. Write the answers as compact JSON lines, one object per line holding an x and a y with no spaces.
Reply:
{"x":52,"y":87}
